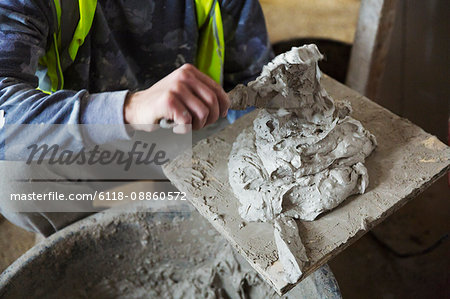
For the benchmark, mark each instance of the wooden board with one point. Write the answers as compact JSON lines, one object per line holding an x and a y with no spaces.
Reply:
{"x":406,"y":161}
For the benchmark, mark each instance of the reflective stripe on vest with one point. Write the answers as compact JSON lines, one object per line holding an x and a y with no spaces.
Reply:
{"x":210,"y":49}
{"x":211,"y":45}
{"x":51,"y":68}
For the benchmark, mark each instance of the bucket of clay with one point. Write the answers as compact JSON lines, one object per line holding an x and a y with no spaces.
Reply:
{"x":143,"y":253}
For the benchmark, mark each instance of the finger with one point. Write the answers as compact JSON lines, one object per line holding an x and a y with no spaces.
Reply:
{"x":198,"y":110}
{"x":179,"y":113}
{"x":208,"y":96}
{"x":182,"y":128}
{"x":224,"y":101}
{"x":145,"y":127}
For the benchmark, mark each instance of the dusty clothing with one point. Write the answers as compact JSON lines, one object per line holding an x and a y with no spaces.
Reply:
{"x":132,"y":44}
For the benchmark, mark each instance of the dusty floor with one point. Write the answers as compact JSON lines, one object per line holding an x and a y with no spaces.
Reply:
{"x":366,"y":269}
{"x":13,"y":242}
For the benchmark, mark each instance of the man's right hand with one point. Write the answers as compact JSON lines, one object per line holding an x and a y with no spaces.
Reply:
{"x":186,"y":96}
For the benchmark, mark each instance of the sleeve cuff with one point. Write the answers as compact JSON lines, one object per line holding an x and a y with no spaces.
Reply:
{"x":105,"y":108}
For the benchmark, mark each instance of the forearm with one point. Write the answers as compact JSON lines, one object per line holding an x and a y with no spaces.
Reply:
{"x":84,"y":116}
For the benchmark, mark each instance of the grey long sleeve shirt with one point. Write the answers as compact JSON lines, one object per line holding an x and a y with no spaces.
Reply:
{"x":132,"y":45}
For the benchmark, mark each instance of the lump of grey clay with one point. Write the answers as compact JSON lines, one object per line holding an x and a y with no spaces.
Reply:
{"x":309,"y":156}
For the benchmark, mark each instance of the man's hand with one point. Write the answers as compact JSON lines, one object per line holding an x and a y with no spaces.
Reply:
{"x":186,"y":96}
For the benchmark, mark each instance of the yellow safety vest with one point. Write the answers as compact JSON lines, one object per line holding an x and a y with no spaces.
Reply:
{"x":78,"y":20}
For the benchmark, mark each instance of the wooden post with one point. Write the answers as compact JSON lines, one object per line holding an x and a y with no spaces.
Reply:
{"x":370,"y":47}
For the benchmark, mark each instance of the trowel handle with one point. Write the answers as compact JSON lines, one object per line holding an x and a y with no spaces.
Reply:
{"x":166,"y":123}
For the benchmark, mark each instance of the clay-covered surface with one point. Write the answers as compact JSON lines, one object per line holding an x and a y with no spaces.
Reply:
{"x":406,"y":161}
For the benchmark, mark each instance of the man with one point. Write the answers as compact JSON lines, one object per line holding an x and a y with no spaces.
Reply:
{"x":135,"y":66}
